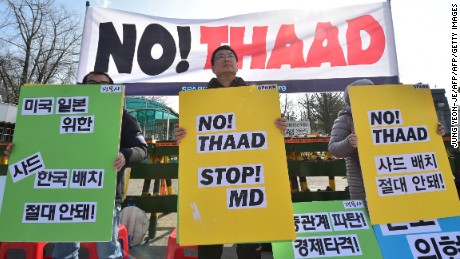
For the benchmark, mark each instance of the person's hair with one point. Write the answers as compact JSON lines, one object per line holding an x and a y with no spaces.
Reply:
{"x":85,"y":79}
{"x":346,"y":95}
{"x":225,"y":47}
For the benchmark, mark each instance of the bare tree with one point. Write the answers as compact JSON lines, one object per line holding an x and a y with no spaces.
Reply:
{"x":306,"y":102}
{"x":39,"y":45}
{"x":323,"y":109}
{"x":159,"y":99}
{"x":288,"y":107}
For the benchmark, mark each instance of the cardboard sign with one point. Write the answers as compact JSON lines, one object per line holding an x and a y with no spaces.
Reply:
{"x":330,"y":229}
{"x":233,"y":180}
{"x":406,"y":172}
{"x":61,"y":181}
{"x":436,"y":238}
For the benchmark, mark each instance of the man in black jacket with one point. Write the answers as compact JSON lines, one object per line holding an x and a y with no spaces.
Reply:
{"x":225,"y":66}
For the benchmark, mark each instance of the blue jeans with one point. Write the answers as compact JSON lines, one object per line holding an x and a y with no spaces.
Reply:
{"x":108,"y":250}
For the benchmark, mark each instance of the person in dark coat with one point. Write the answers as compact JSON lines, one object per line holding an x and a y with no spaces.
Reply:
{"x":224,"y":62}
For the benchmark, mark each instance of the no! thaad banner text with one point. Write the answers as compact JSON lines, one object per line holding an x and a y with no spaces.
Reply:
{"x":299,"y":50}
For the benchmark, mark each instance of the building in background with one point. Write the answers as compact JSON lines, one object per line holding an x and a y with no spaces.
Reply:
{"x":157,"y":120}
{"x":7,"y":121}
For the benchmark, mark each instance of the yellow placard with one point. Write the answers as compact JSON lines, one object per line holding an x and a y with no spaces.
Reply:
{"x":233,"y":180}
{"x":405,"y":168}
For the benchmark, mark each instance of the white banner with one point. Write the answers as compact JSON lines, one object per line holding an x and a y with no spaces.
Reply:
{"x":300,"y":50}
